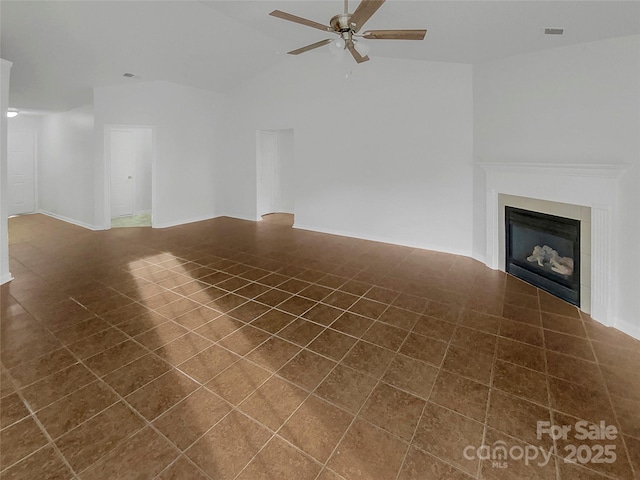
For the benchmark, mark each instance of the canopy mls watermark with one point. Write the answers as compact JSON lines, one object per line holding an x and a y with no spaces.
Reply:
{"x":594,"y":446}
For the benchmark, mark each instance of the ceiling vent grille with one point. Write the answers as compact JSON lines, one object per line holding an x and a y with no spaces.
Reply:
{"x":553,"y":31}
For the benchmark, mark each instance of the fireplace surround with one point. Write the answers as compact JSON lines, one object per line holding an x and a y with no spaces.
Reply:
{"x":592,"y":188}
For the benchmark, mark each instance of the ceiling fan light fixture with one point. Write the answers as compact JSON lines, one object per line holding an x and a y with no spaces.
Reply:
{"x":338,"y":46}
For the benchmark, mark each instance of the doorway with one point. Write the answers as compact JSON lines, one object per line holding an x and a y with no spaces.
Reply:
{"x":21,"y":171}
{"x":129,"y":155}
{"x":274,"y":172}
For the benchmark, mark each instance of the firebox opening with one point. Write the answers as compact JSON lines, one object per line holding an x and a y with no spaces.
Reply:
{"x":544,"y":250}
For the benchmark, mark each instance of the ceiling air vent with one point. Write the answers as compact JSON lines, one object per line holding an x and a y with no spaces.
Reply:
{"x":553,"y":31}
{"x":128,"y":75}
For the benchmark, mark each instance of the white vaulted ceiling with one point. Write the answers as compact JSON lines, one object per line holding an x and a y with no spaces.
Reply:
{"x":62,"y":49}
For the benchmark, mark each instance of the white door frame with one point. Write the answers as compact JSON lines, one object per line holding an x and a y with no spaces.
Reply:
{"x":35,"y":165}
{"x":107,"y":169}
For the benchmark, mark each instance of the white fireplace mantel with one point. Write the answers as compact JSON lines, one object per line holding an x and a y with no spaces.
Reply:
{"x":588,"y":185}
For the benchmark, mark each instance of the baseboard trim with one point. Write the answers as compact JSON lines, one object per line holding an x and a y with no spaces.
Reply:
{"x":376,"y":238}
{"x":7,"y":277}
{"x":200,"y":219}
{"x":184,"y":222}
{"x":627,"y":327}
{"x":240,"y":217}
{"x":480,"y":258}
{"x":70,"y":220}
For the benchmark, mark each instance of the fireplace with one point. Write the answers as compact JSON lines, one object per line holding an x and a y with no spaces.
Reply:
{"x":544,"y":250}
{"x":585,"y":192}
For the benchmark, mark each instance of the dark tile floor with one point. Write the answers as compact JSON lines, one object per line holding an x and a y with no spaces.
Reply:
{"x":230,"y":349}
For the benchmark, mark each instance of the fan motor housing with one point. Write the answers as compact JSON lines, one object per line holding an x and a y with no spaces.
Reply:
{"x":341,"y":23}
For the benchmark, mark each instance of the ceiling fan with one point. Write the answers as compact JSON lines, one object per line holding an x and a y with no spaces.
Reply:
{"x":347,"y":25}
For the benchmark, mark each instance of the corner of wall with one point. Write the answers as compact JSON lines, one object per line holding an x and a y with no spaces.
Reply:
{"x":5,"y":73}
{"x":627,"y":327}
{"x":72,"y":221}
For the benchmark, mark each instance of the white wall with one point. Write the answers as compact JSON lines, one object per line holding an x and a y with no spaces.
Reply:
{"x":385,"y":154}
{"x":578,"y":104}
{"x":286,"y":154}
{"x":187,"y":123}
{"x":26,"y":121}
{"x":5,"y":75}
{"x":65,"y":166}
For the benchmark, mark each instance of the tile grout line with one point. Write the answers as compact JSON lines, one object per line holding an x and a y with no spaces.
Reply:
{"x":310,"y":393}
{"x":203,"y":385}
{"x":44,"y":431}
{"x":121,"y":399}
{"x":357,"y":414}
{"x":272,"y":335}
{"x":428,"y":399}
{"x":552,"y":412}
{"x":146,"y":422}
{"x":613,"y":409}
{"x":159,"y":475}
{"x":485,"y":427}
{"x":362,"y":296}
{"x":556,"y":456}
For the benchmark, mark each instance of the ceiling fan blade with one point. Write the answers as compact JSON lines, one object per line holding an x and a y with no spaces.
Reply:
{"x":356,"y":55}
{"x":394,"y":34}
{"x":364,"y":12}
{"x":302,"y":21}
{"x":321,"y":43}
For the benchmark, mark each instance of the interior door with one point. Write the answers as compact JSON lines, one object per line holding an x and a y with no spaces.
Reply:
{"x":123,"y":166}
{"x":21,"y":171}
